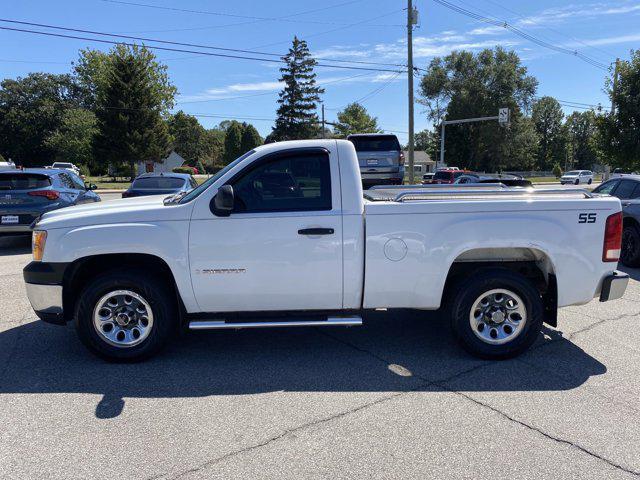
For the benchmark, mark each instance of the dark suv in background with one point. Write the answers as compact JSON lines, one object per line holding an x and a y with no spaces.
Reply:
{"x":380,"y":158}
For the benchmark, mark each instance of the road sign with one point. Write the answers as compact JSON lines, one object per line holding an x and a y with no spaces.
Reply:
{"x":504,"y":116}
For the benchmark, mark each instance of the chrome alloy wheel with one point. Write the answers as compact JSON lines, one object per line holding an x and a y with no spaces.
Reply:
{"x":498,"y":316}
{"x":123,"y":318}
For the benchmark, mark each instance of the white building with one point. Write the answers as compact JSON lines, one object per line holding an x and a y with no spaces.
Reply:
{"x":167,"y":165}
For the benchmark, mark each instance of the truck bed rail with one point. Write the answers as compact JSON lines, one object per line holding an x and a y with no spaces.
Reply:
{"x":475,"y":193}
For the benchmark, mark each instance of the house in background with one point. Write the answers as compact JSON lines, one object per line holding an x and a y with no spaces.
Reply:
{"x":167,"y":165}
{"x":421,"y":163}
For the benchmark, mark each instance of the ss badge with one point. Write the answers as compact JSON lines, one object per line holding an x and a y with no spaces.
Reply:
{"x":587,"y":217}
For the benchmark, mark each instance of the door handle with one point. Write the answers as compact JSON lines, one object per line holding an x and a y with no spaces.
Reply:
{"x":316,"y":231}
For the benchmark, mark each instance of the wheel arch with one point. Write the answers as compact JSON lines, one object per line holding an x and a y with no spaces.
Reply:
{"x":80,"y":271}
{"x":533,"y":263}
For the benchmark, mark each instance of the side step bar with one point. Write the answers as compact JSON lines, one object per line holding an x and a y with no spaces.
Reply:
{"x":329,"y":322}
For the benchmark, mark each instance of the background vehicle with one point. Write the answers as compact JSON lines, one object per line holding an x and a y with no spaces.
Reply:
{"x":445,"y":176}
{"x":627,"y":189}
{"x":508,"y":180}
{"x":427,"y":177}
{"x":160,"y":184}
{"x":8,"y":165}
{"x":619,"y":172}
{"x":577,"y":177}
{"x":380,"y":158}
{"x":27,"y":194}
{"x":66,"y":166}
{"x":248,"y":248}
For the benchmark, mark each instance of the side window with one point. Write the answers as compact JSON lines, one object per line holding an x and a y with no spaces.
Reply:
{"x":625,"y":189}
{"x":606,"y":188}
{"x":636,"y":191}
{"x":66,"y":181}
{"x":77,"y":182}
{"x":288,"y":183}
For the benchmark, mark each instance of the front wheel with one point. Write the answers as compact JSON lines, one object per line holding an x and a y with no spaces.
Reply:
{"x":590,"y":181}
{"x":577,"y":182}
{"x":496,"y":313}
{"x":630,"y":255}
{"x":125,"y":316}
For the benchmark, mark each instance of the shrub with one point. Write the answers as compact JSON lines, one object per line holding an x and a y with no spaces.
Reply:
{"x":84,"y":170}
{"x":557,"y":171}
{"x":184,"y":169}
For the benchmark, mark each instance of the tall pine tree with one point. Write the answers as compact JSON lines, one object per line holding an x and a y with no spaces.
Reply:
{"x":129,"y":111}
{"x":297,"y":118}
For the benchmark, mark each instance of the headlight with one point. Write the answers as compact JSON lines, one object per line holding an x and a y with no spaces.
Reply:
{"x":37,"y":245}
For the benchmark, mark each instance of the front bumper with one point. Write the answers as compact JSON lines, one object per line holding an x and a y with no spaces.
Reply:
{"x":44,"y":289}
{"x":614,"y":286}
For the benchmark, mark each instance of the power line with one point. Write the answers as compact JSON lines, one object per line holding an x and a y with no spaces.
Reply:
{"x":285,"y":18}
{"x":521,"y":33}
{"x":322,"y":84}
{"x":168,"y":42}
{"x":168,"y":49}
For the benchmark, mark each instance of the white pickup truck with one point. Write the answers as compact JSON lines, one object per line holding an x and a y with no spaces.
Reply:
{"x":284,"y":236}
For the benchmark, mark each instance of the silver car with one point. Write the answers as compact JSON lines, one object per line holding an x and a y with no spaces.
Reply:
{"x":380,"y":158}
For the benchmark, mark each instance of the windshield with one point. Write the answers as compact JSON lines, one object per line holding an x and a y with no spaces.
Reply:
{"x":202,"y":187}
{"x":62,"y":165}
{"x":22,"y":181}
{"x":157,"y":183}
{"x":442,"y":176}
{"x":380,"y":143}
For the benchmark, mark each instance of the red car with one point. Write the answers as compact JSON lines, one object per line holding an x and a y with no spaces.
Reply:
{"x":445,"y":176}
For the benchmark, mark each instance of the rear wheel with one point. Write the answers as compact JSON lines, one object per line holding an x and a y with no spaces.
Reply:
{"x":124,"y":316}
{"x":590,"y":181}
{"x":630,"y":255}
{"x":577,"y":182}
{"x":496,"y":313}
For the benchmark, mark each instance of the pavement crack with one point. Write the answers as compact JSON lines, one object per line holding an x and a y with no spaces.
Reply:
{"x":283,"y":434}
{"x":543,"y":433}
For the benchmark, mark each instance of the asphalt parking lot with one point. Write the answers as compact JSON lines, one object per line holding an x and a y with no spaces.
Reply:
{"x":395,"y":398}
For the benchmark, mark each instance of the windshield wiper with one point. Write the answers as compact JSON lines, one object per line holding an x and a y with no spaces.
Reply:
{"x":174,"y":198}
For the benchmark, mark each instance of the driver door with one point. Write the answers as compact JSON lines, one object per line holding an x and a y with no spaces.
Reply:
{"x":281,"y":247}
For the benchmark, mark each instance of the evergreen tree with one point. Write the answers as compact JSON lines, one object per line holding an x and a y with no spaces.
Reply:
{"x":233,"y":142}
{"x":188,"y":137}
{"x":297,"y":117}
{"x":355,"y":119}
{"x":130,"y":123}
{"x":250,"y":138}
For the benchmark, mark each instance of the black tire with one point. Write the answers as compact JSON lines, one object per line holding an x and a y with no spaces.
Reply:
{"x":470,"y":289}
{"x":590,"y":182}
{"x":630,"y":255}
{"x":157,"y":294}
{"x":577,"y":181}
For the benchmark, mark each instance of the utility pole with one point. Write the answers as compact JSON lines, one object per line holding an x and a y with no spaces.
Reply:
{"x":411,"y":20}
{"x":322,"y":119}
{"x":615,"y":85}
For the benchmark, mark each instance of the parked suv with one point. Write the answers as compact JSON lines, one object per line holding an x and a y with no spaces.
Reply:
{"x":27,"y":194}
{"x":576,"y":177}
{"x":380,"y":158}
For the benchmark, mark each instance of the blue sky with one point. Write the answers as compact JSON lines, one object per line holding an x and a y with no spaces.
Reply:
{"x":363,"y":30}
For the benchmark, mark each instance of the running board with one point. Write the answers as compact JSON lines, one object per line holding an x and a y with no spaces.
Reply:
{"x":329,"y":322}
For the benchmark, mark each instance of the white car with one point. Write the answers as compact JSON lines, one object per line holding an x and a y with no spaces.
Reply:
{"x":284,"y":237}
{"x":577,"y":177}
{"x":8,"y":165}
{"x":66,"y":166}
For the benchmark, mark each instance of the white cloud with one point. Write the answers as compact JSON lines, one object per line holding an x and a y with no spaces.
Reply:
{"x":597,"y":42}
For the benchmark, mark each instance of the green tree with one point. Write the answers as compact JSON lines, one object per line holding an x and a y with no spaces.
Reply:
{"x":557,"y":170}
{"x":547,"y":116}
{"x":2,"y":159}
{"x":214,"y":147}
{"x":130,"y":108}
{"x":73,"y":140}
{"x":296,"y":115}
{"x":620,"y":131}
{"x":355,"y":119}
{"x":582,"y":138}
{"x":250,"y":138}
{"x":189,"y":137}
{"x":467,"y":85}
{"x":93,"y":69}
{"x":233,"y":142}
{"x":31,"y":109}
{"x":428,"y":141}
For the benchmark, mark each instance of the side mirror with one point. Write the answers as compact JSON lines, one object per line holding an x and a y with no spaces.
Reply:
{"x":90,"y":186}
{"x":223,"y":201}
